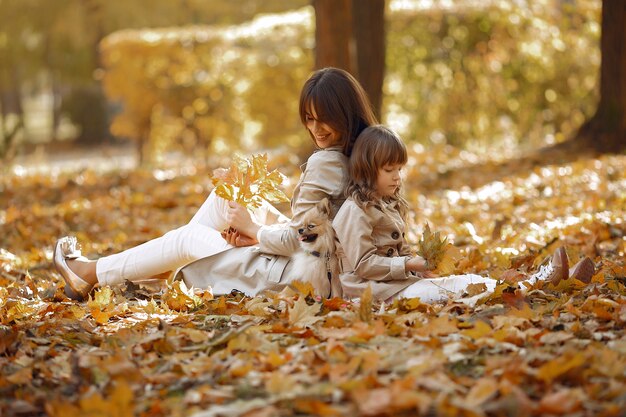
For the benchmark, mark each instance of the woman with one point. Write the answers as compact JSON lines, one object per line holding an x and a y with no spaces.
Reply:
{"x":252,"y":256}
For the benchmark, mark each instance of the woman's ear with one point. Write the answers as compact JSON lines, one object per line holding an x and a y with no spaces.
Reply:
{"x":324,"y":206}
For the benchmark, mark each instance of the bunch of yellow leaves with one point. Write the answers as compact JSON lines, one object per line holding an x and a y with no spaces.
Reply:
{"x":440,"y":255}
{"x":248,"y":182}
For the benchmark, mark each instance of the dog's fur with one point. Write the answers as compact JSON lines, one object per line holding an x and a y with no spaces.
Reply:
{"x":316,"y":261}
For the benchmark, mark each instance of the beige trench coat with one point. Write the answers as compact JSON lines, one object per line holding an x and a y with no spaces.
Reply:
{"x":264,"y":266}
{"x":372,"y":250}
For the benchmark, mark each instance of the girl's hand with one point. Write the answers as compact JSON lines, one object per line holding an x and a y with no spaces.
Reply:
{"x":235,"y":238}
{"x":239,"y":218}
{"x":417,"y":264}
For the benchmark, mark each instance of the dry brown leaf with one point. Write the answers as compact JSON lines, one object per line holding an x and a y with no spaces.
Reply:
{"x":365,"y":305}
{"x":303,"y":315}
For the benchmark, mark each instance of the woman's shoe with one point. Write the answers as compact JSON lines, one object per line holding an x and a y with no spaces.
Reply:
{"x":583,"y":271}
{"x":75,"y":287}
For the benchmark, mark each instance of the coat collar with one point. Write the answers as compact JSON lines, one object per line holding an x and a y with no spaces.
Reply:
{"x":329,"y":149}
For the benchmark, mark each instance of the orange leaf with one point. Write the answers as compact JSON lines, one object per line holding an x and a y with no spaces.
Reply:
{"x":562,"y":402}
{"x":316,"y":408}
{"x":481,"y":329}
{"x":559,"y":366}
{"x":365,"y":308}
{"x":484,"y":389}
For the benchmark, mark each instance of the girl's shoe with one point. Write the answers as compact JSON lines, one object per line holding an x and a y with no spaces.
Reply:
{"x":560,"y":266}
{"x":75,"y":287}
{"x":555,"y":270}
{"x":583,"y":270}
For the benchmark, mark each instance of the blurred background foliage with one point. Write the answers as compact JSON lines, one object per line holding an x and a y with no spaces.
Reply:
{"x":198,"y":78}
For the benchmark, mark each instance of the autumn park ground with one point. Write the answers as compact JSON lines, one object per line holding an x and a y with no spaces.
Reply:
{"x":171,"y":351}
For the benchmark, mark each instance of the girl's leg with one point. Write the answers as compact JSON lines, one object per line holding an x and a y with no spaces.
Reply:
{"x":166,"y":253}
{"x":439,"y":289}
{"x":430,"y":290}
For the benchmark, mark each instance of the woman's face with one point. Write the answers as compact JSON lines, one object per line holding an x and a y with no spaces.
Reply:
{"x":324,"y":135}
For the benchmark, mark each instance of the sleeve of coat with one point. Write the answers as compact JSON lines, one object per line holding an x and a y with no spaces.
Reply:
{"x":322,"y":177}
{"x":354,"y":232}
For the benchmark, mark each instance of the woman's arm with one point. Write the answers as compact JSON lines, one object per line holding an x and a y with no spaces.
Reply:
{"x":324,"y":176}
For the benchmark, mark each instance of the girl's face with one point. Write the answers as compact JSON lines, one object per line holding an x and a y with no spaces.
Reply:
{"x":324,"y":135}
{"x":388,"y":179}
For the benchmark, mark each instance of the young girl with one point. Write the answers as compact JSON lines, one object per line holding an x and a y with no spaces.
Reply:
{"x":370,"y":228}
{"x":334,"y":109}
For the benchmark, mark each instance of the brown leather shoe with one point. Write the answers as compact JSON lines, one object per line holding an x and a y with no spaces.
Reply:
{"x":583,"y":271}
{"x":75,"y":287}
{"x":560,"y":266}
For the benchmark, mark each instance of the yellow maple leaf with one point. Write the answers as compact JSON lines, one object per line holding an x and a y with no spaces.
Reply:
{"x":304,"y":288}
{"x":180,"y":298}
{"x":102,"y":298}
{"x":248,"y":182}
{"x":101,"y":306}
{"x":440,"y":255}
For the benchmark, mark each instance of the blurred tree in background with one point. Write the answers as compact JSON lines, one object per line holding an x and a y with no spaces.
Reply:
{"x":490,"y":74}
{"x":49,"y":52}
{"x":606,"y":130}
{"x":202,"y":89}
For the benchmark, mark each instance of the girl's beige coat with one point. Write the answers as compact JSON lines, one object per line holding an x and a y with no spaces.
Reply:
{"x":372,"y":250}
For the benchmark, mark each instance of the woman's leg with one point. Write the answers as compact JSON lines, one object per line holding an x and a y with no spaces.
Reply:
{"x":199,"y":238}
{"x":166,"y":253}
{"x":212,"y":213}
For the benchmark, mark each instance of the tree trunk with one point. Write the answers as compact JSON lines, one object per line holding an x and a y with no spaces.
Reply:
{"x":10,"y":103}
{"x":369,"y":33}
{"x":606,"y":130}
{"x":350,"y":34}
{"x":334,"y":46}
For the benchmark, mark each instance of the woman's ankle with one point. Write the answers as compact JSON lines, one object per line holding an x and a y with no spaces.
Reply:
{"x":86,"y":270}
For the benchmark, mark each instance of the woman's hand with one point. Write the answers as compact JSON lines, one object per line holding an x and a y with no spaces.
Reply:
{"x":235,"y":238}
{"x":239,"y":218}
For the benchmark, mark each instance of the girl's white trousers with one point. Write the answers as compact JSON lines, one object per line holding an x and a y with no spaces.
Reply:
{"x":439,"y":289}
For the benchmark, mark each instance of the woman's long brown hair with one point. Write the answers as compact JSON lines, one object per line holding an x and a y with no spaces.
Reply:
{"x":339,"y":101}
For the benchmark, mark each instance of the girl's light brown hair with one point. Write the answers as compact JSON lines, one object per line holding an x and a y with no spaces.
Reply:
{"x":339,"y":101}
{"x":375,"y":147}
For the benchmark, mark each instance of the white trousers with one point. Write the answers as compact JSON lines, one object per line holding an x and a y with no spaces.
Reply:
{"x":199,"y":238}
{"x":430,"y":290}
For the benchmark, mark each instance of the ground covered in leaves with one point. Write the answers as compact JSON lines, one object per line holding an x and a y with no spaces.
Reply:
{"x":167,"y":351}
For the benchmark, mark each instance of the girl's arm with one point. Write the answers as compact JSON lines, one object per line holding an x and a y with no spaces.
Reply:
{"x":354,"y":230}
{"x":324,"y":176}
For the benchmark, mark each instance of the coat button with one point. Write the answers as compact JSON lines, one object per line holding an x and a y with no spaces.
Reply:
{"x":389,"y":252}
{"x":395,"y":234}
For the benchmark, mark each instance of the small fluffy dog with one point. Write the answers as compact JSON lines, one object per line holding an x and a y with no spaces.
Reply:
{"x":315,"y":261}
